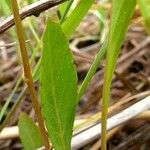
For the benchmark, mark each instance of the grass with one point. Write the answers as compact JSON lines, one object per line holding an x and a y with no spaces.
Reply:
{"x":121,"y":14}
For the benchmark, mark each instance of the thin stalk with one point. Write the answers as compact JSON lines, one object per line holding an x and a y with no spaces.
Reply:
{"x":66,"y":11}
{"x":27,"y":74}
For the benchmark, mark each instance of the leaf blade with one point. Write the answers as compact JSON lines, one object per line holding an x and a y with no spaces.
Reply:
{"x":58,"y":86}
{"x":121,"y":14}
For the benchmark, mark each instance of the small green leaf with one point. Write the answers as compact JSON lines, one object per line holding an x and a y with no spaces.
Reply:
{"x":145,"y":10}
{"x":58,"y":86}
{"x":29,"y":133}
{"x":122,"y":11}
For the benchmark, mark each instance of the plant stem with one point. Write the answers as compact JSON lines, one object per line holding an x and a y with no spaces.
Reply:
{"x":27,"y":74}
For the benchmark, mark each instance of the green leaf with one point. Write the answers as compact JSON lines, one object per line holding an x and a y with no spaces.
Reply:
{"x":58,"y":86}
{"x":76,"y":16}
{"x":145,"y":10}
{"x":122,"y":11}
{"x":29,"y":133}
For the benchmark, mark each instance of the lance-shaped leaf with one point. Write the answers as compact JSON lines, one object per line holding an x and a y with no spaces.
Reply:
{"x":122,"y":11}
{"x":58,"y":86}
{"x":29,"y":133}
